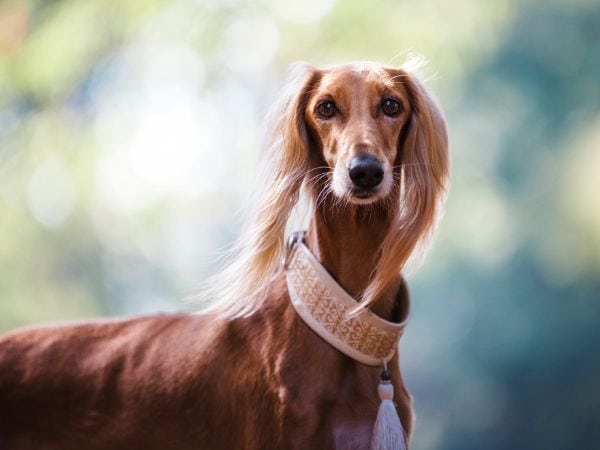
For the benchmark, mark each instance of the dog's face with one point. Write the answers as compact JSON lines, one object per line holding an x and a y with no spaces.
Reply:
{"x":356,"y":116}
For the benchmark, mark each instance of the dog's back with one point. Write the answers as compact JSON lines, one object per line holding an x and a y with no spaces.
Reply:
{"x":96,"y":385}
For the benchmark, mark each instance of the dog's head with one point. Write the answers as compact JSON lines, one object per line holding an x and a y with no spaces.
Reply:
{"x":356,"y":117}
{"x":370,"y":127}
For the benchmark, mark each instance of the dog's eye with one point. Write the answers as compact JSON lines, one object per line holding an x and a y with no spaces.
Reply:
{"x":391,"y":107}
{"x":326,"y":109}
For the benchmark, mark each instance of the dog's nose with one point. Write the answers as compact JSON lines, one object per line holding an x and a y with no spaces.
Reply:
{"x":365,"y":171}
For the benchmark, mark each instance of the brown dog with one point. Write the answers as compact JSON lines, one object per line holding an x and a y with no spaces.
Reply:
{"x":369,"y":146}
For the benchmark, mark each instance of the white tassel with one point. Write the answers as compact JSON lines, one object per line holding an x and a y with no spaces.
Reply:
{"x":388,"y":433}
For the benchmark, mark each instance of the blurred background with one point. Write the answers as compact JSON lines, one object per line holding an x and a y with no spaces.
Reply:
{"x":129,"y":135}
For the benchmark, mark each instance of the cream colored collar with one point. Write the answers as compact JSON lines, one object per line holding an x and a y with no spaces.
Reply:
{"x":324,"y":306}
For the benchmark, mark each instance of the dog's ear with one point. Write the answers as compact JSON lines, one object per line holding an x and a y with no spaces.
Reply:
{"x":289,"y":141}
{"x":424,"y":161}
{"x":284,"y":164}
{"x":424,"y":148}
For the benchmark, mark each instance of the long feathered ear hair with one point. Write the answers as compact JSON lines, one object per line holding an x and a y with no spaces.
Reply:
{"x":241,"y":287}
{"x":424,"y":160}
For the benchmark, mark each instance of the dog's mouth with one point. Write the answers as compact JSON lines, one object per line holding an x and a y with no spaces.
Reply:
{"x":363,"y":196}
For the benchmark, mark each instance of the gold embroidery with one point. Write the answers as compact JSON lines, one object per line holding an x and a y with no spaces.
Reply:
{"x":373,"y":337}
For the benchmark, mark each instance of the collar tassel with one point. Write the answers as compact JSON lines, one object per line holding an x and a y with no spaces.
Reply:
{"x":388,"y":433}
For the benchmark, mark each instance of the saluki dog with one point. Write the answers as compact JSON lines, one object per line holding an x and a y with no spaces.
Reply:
{"x":289,"y":352}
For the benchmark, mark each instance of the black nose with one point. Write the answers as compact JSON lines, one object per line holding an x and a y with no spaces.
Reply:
{"x":365,"y":171}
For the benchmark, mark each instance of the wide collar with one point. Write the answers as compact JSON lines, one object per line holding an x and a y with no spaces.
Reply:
{"x":325,"y":307}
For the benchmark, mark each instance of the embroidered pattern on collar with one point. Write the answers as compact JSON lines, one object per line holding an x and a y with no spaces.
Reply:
{"x":324,"y":305}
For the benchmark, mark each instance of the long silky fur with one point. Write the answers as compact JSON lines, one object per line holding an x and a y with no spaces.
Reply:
{"x":240,"y":288}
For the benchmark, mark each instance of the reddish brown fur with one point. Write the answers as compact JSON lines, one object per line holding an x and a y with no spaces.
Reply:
{"x":264,"y":381}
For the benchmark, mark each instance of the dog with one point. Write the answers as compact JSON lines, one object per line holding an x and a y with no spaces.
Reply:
{"x":367,"y":145}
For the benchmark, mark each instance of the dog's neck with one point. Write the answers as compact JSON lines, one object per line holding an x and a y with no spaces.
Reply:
{"x":346,"y":240}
